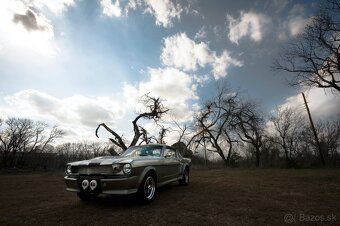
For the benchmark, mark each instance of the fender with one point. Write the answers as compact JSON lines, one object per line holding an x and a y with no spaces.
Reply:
{"x":184,"y":166}
{"x":145,"y":171}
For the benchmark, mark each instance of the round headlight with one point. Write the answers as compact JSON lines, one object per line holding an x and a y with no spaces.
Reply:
{"x":68,"y":170}
{"x":127,"y":168}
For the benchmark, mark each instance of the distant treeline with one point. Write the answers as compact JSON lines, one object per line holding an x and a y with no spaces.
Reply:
{"x":29,"y":145}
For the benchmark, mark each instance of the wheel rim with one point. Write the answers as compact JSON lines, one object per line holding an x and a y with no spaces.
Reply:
{"x":149,"y":187}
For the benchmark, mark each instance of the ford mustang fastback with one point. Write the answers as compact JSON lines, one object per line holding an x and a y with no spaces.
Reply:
{"x":140,"y":169}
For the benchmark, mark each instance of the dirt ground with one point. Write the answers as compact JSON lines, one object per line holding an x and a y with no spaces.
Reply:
{"x":214,"y":197}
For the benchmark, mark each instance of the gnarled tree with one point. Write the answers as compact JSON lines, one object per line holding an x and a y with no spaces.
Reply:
{"x":154,"y":111}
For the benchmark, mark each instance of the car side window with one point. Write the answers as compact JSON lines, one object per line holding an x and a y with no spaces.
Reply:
{"x":157,"y":152}
{"x":169,"y":153}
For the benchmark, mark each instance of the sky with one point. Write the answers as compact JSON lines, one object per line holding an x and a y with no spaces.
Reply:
{"x":78,"y":63}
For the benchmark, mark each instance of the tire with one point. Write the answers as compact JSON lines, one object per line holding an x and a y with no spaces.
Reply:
{"x":147,"y":189}
{"x":184,"y":181}
{"x":86,"y":196}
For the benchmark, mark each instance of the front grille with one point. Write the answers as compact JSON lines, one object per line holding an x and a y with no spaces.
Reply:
{"x":95,"y":170}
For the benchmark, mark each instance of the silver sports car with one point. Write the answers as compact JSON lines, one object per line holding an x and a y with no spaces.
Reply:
{"x":140,"y":169}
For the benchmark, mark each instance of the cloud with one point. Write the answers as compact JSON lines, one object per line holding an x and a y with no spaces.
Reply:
{"x":247,"y":24}
{"x":111,"y":10}
{"x":183,"y":53}
{"x":201,"y":34}
{"x":56,"y":7}
{"x":28,"y":20}
{"x":322,"y":104}
{"x":132,"y":4}
{"x":294,"y":24}
{"x":296,"y":20}
{"x":75,"y":110}
{"x":175,"y":87}
{"x":222,"y":63}
{"x":164,"y":11}
{"x":190,"y":8}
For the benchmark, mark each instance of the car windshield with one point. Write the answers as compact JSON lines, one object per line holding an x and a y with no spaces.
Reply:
{"x":152,"y":150}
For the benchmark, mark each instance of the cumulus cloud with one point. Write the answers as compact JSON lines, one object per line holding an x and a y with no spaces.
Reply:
{"x":250,"y":24}
{"x":132,"y":5}
{"x":164,"y":11}
{"x":172,"y":85}
{"x":111,"y":10}
{"x":56,"y":7}
{"x":74,"y":110}
{"x":222,"y":63}
{"x":181,"y":52}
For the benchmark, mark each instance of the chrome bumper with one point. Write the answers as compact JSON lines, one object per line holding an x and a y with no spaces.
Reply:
{"x":114,"y":186}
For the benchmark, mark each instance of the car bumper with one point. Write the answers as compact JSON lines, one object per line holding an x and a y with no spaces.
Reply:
{"x":114,"y":186}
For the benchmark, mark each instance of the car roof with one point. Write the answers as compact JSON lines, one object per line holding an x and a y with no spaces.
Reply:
{"x":154,"y":145}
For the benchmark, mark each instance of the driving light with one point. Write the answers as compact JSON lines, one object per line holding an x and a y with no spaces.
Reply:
{"x":93,"y":184}
{"x":68,"y":169}
{"x":85,"y":184}
{"x":127,"y":168}
{"x":116,"y":168}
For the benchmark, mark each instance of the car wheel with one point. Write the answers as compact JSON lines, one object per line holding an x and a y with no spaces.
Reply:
{"x":147,"y":188}
{"x":86,"y":196}
{"x":185,"y":178}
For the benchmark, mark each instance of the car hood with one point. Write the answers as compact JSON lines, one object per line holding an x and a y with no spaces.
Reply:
{"x":108,"y":160}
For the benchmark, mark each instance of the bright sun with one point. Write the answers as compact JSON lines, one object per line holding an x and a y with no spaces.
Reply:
{"x":21,"y":35}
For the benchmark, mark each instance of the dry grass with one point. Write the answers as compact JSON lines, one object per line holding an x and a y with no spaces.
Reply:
{"x":214,"y":197}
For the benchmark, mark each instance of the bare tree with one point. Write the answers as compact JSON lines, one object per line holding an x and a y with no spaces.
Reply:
{"x":329,"y":134}
{"x":249,"y":124}
{"x":14,"y":137}
{"x":287,"y":124}
{"x":68,"y":152}
{"x":161,"y":135}
{"x":182,"y":131}
{"x":20,"y":135}
{"x":54,"y":134}
{"x":213,"y":123}
{"x":154,"y":111}
{"x":314,"y":58}
{"x":145,"y":137}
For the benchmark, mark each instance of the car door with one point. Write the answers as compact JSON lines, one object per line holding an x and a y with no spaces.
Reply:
{"x":172,"y":164}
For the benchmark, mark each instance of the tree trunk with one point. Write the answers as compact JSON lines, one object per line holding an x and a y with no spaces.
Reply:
{"x":220,"y":152}
{"x":257,"y":150}
{"x":287,"y":155}
{"x":229,"y":152}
